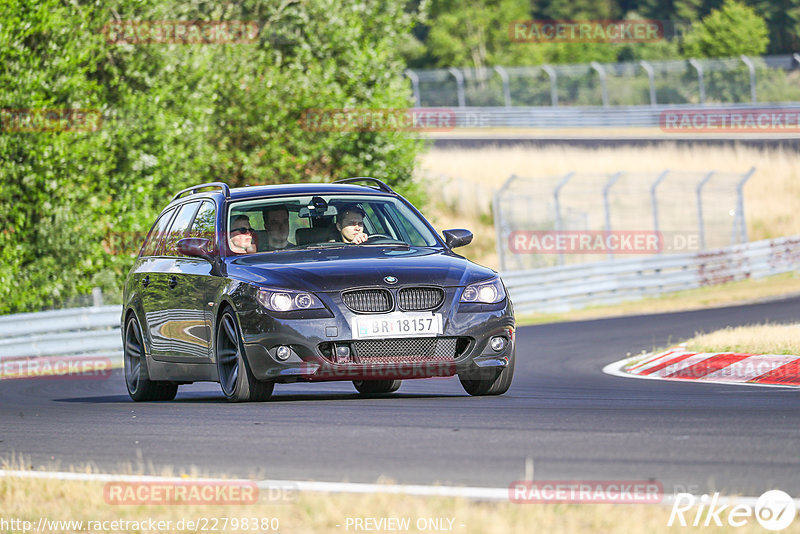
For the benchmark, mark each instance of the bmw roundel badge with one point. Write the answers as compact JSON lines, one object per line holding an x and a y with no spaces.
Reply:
{"x":390,"y":279}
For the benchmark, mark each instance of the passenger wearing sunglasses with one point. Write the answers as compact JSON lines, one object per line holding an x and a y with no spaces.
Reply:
{"x":241,"y":236}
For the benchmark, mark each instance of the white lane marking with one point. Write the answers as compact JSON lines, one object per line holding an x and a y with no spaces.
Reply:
{"x":750,"y":368}
{"x":478,"y":493}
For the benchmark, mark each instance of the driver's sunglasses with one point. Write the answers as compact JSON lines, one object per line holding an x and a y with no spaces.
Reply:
{"x":241,"y":230}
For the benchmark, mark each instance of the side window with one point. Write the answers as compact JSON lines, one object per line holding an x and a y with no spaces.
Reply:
{"x":415,"y":238}
{"x":373,"y":223}
{"x":204,"y":222}
{"x":159,"y":228}
{"x":179,"y":227}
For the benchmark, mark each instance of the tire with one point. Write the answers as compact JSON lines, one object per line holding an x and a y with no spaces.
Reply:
{"x":489,"y":381}
{"x":235,"y":377}
{"x":137,"y":379}
{"x":377,"y":387}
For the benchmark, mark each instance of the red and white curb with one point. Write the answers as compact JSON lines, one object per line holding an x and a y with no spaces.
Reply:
{"x":713,"y":367}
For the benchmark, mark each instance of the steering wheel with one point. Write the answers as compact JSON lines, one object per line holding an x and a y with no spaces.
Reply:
{"x":374,"y":237}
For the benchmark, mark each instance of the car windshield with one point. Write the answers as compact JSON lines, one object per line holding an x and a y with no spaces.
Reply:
{"x":323,"y":221}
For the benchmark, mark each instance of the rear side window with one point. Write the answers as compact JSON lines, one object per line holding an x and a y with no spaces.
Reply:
{"x":204,"y":223}
{"x":179,"y":227}
{"x":150,"y":246}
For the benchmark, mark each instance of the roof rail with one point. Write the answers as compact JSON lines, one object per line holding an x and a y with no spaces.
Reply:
{"x":381,"y":185}
{"x":194,"y":189}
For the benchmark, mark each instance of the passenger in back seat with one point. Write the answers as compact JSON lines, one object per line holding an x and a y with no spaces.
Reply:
{"x":276,"y":223}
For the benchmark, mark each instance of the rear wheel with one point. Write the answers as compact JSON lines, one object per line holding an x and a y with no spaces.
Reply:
{"x":376,"y":387}
{"x":137,"y":379}
{"x":237,"y":381}
{"x":488,"y":381}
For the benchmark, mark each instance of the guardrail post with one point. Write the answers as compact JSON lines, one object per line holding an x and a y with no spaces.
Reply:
{"x":699,"y":68}
{"x":499,"y":224}
{"x":556,"y":193}
{"x":97,"y":297}
{"x":601,"y":71}
{"x":739,"y":219}
{"x":506,"y":89}
{"x":414,"y":86}
{"x":700,"y":224}
{"x":752,"y":70}
{"x":651,"y":77}
{"x":606,"y":188}
{"x":551,"y":72}
{"x":654,"y":200}
{"x":457,"y":74}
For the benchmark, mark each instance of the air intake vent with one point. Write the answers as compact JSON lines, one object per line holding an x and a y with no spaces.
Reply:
{"x":420,"y":298}
{"x":368,"y":300}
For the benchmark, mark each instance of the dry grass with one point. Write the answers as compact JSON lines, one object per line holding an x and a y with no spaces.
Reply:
{"x":29,"y":499}
{"x":772,"y":196}
{"x":756,"y":339}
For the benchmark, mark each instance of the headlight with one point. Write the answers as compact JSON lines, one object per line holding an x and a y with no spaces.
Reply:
{"x":490,"y":292}
{"x":283,"y":300}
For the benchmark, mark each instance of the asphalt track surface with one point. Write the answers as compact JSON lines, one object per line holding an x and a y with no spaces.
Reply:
{"x":574,"y":421}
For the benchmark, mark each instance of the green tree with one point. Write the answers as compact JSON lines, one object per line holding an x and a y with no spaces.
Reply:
{"x":732,"y":30}
{"x":175,"y":115}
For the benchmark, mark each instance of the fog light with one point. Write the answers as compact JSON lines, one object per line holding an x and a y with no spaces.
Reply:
{"x":342,"y":353}
{"x":283,"y":352}
{"x":498,"y":343}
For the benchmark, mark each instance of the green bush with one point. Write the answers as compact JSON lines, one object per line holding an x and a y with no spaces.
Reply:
{"x":176,"y":115}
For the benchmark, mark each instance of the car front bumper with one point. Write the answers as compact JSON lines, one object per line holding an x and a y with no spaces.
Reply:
{"x":310,"y":340}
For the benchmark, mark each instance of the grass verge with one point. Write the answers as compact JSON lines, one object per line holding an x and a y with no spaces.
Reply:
{"x":753,"y":339}
{"x":56,"y":500}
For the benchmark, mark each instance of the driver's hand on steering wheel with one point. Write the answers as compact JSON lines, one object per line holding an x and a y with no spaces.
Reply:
{"x":359,"y":238}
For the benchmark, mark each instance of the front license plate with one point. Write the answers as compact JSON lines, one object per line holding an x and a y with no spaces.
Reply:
{"x":397,"y":325}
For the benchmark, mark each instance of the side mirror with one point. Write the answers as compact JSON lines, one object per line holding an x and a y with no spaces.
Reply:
{"x":457,"y":237}
{"x":196,"y":247}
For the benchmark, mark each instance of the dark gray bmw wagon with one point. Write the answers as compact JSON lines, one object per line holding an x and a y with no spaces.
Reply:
{"x":255,"y":286}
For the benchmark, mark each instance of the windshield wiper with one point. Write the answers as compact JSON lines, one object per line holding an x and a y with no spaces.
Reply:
{"x":331,"y":244}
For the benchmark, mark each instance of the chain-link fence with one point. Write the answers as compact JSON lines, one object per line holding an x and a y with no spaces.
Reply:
{"x":679,"y":82}
{"x":585,"y":217}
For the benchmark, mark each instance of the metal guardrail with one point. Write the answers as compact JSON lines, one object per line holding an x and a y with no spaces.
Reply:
{"x":74,"y":331}
{"x":598,"y":117}
{"x":95,"y":330}
{"x":563,"y":288}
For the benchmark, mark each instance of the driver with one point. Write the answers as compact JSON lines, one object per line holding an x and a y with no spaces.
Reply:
{"x":350,"y":223}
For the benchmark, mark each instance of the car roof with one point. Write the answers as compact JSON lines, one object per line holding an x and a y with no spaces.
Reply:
{"x":302,"y":189}
{"x":259,"y":191}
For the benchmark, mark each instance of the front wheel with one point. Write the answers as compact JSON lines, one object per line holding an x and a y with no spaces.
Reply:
{"x":488,"y":381}
{"x":237,"y":381}
{"x":375,"y":387}
{"x":137,"y":379}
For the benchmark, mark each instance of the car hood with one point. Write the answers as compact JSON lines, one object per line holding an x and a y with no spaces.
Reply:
{"x":341,"y":268}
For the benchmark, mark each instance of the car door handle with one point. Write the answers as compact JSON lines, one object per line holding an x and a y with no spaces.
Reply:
{"x":146,"y":281}
{"x":173,"y":281}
